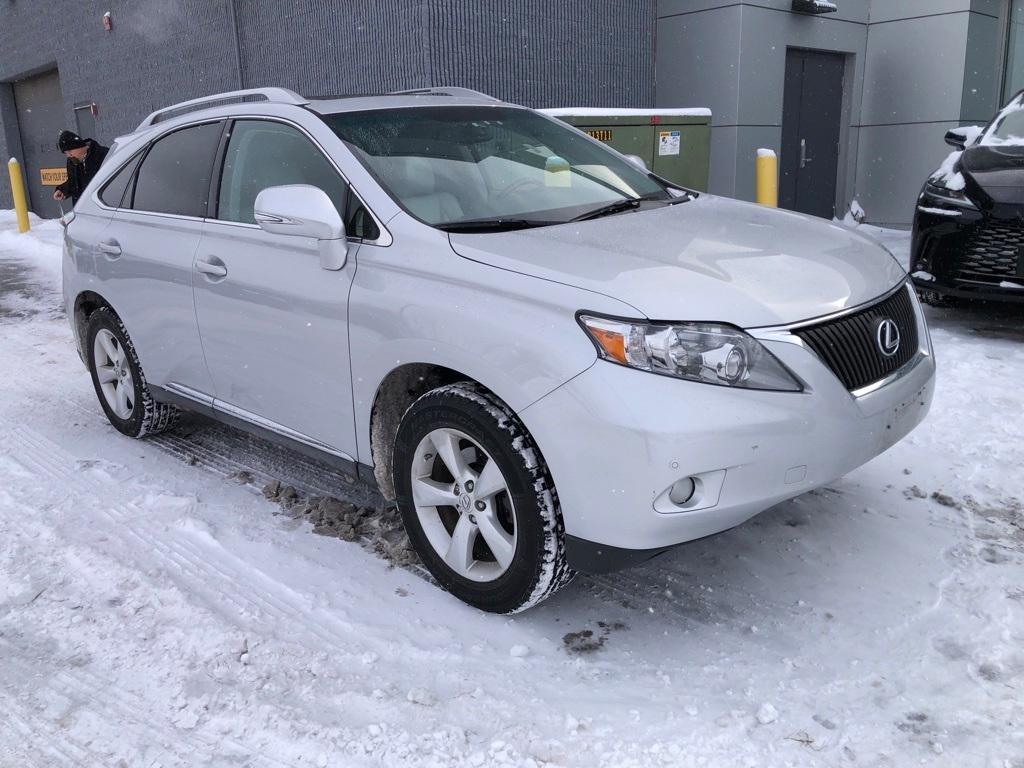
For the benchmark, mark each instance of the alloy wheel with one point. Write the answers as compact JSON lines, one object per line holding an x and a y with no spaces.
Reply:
{"x":114,"y":374}
{"x":463,"y":505}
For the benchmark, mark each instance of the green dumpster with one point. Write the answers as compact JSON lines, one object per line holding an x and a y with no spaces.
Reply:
{"x":674,"y":143}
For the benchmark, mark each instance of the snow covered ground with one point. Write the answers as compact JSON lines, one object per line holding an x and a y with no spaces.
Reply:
{"x":157,"y":610}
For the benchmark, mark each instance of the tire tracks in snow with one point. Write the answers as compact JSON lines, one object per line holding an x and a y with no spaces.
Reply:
{"x":225,"y":587}
{"x":226,"y":578}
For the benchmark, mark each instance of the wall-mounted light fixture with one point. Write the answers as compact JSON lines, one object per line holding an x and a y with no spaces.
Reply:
{"x":814,"y":6}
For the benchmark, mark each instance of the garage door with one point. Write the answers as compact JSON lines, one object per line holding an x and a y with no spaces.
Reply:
{"x":40,"y":118}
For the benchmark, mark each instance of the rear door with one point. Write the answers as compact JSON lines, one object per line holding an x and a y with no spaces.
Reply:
{"x":273,"y":323}
{"x":147,"y":253}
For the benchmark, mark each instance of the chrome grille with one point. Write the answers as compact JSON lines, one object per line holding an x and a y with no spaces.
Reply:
{"x":849,"y":346}
{"x":993,"y":252}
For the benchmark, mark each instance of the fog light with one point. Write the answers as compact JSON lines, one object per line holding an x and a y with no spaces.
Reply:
{"x":682,"y":491}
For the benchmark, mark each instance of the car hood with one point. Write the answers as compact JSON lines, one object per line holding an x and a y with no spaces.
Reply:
{"x":710,"y":259}
{"x":996,"y":170}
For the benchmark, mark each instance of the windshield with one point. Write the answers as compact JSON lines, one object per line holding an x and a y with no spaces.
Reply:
{"x":1008,"y":126}
{"x":447,"y":165}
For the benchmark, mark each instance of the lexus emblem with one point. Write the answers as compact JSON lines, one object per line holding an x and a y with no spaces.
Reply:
{"x":887,"y":335}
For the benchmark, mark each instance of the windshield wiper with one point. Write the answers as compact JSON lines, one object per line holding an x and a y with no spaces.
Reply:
{"x":492,"y":225}
{"x":618,"y":206}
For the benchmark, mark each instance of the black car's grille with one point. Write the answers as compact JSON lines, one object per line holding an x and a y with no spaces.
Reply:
{"x":993,"y":252}
{"x":849,"y":344}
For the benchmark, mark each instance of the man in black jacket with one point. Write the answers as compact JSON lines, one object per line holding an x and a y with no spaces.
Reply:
{"x":84,"y":159}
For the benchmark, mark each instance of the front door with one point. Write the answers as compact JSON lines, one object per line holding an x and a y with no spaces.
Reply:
{"x":811,"y":121}
{"x":274,"y":323}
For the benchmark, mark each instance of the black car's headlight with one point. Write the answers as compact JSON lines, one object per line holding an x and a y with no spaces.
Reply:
{"x":710,"y":353}
{"x":936,"y":189}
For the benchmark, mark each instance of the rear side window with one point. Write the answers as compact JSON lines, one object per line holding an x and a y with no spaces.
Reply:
{"x":113,"y":193}
{"x":175,"y":174}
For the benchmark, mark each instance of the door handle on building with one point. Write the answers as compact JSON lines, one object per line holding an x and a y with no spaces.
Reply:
{"x":804,"y":159}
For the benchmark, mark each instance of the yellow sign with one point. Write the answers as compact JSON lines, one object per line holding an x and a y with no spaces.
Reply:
{"x":52,"y":177}
{"x":601,"y":134}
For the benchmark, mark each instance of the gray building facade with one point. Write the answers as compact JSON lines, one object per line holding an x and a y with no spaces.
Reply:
{"x":906,"y":71}
{"x":60,"y":67}
{"x":856,"y":101}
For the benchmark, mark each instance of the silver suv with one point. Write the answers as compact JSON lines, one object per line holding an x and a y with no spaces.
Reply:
{"x":550,"y":358}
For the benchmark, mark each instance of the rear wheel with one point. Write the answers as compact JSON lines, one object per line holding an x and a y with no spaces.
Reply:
{"x":118,"y":379}
{"x":477,"y":500}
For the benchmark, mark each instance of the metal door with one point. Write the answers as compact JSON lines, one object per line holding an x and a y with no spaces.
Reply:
{"x":40,"y":108}
{"x":811,"y":121}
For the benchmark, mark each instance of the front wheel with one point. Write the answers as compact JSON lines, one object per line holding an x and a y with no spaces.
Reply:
{"x":935,"y":299}
{"x":477,"y":500}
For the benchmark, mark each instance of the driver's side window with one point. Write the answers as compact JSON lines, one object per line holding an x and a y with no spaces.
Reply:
{"x":263,"y":153}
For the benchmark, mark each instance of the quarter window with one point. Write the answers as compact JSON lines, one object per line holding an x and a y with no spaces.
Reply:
{"x":113,"y":193}
{"x":175,"y":174}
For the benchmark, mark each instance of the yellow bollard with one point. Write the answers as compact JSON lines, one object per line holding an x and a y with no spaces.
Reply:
{"x":18,"y":192}
{"x":767,"y":178}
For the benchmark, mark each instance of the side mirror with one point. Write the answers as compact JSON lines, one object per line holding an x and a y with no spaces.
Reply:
{"x":960,"y":138}
{"x":637,"y":161}
{"x":303,"y":210}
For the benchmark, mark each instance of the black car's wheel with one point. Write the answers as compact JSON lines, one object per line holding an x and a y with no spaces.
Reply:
{"x":119,"y":381}
{"x":935,"y":299}
{"x":478,"y":501}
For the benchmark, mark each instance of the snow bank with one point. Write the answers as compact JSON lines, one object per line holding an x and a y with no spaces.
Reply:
{"x":40,"y":246}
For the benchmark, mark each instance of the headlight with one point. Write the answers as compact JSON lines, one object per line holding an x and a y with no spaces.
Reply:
{"x":711,"y":353}
{"x":955,"y":196}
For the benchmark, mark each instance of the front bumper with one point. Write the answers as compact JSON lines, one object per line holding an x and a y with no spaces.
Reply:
{"x":616,"y":439}
{"x":964,"y":252}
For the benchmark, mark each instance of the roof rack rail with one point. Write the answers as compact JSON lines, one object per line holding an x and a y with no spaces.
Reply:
{"x":277,"y":95}
{"x":441,"y":90}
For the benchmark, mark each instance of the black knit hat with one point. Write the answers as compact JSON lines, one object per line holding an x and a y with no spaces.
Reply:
{"x":70,"y":140}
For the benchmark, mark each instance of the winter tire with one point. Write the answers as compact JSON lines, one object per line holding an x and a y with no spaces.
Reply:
{"x":935,"y":299}
{"x":118,"y":379}
{"x":477,"y":500}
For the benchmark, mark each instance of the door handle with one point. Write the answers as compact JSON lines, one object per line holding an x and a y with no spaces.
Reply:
{"x":110,"y":248}
{"x":804,"y":159}
{"x":211,"y":268}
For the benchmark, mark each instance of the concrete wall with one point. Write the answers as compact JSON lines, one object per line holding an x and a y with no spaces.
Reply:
{"x":536,"y":52}
{"x":735,"y":57}
{"x":914,"y":69}
{"x":931,"y":65}
{"x":159,"y":52}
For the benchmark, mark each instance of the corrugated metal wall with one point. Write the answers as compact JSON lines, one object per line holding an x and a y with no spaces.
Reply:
{"x":320,"y":47}
{"x":535,"y":52}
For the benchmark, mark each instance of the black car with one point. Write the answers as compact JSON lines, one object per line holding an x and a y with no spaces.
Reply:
{"x":968,"y":239}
